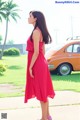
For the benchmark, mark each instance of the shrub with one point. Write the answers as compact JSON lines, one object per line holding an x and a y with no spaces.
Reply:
{"x":2,"y":67}
{"x":11,"y":52}
{"x":5,"y":53}
{"x":17,"y":51}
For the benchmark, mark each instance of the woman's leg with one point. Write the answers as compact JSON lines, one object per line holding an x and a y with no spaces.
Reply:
{"x":44,"y":107}
{"x":48,"y":114}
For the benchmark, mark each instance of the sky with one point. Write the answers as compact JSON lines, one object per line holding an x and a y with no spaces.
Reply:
{"x":63,"y":20}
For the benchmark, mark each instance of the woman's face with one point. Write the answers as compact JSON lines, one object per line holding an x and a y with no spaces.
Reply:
{"x":31,"y":19}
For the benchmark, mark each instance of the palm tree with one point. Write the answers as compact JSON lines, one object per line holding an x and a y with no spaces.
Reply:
{"x":2,"y":10}
{"x":11,"y":12}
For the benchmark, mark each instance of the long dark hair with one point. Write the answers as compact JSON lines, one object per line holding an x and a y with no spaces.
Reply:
{"x":41,"y":24}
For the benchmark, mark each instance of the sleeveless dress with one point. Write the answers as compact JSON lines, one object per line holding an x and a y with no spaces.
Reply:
{"x":41,"y":85}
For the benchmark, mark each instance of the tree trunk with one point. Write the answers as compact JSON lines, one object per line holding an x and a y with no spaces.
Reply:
{"x":4,"y":39}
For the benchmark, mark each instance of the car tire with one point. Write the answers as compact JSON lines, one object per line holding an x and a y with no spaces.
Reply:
{"x":64,"y":69}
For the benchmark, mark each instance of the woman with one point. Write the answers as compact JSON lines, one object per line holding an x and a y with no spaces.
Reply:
{"x":38,"y":80}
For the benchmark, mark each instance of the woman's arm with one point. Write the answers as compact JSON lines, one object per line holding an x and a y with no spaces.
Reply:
{"x":36,"y":38}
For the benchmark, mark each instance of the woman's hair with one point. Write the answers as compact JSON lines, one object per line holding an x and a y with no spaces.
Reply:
{"x":41,"y":24}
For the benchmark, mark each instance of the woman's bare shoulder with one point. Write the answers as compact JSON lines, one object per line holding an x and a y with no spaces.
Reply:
{"x":36,"y":33}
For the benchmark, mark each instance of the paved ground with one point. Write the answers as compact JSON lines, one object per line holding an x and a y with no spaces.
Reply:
{"x":65,"y":106}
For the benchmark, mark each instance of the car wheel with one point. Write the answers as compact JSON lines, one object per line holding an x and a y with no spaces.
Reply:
{"x":64,"y":69}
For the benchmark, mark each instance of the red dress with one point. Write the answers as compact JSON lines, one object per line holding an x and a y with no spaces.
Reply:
{"x":41,"y":85}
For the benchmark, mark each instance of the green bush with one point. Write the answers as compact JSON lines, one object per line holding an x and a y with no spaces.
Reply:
{"x":2,"y":67}
{"x":17,"y":51}
{"x":5,"y":53}
{"x":11,"y":52}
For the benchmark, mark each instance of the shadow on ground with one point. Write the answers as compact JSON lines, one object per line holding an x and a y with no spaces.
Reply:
{"x":13,"y":67}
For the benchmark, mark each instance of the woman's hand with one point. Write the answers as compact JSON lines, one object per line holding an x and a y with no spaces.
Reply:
{"x":31,"y":74}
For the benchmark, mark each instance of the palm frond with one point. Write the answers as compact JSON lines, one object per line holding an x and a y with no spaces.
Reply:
{"x":0,"y":19}
{"x":16,"y":10}
{"x":9,"y":10}
{"x":3,"y":14}
{"x":3,"y":9}
{"x":10,"y":5}
{"x":15,"y":16}
{"x":1,"y":4}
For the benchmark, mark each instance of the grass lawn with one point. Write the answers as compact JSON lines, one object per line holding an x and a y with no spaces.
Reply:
{"x":16,"y":75}
{"x":69,"y":82}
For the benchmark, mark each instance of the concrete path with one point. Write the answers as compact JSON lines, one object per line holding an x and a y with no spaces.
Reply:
{"x":65,"y":106}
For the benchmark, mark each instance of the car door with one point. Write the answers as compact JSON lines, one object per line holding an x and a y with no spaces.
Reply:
{"x":74,"y":55}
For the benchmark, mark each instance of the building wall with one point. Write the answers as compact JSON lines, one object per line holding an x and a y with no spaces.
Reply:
{"x":21,"y":47}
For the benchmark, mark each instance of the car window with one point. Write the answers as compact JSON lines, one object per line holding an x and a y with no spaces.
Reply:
{"x":69,"y":49}
{"x":75,"y":48}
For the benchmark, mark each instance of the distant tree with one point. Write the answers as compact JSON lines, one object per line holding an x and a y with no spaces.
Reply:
{"x":10,"y":42}
{"x":10,"y":12}
{"x":1,"y":39}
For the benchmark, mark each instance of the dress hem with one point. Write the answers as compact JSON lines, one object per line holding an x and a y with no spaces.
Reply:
{"x":26,"y":101}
